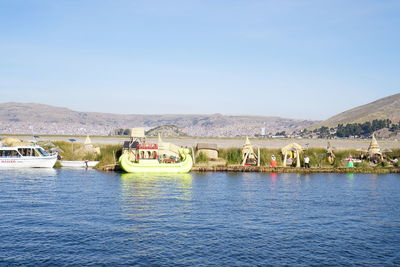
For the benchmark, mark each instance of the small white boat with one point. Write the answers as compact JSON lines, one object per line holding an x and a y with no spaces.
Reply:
{"x":78,"y":163}
{"x":27,"y":156}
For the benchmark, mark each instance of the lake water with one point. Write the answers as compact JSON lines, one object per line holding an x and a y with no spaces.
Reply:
{"x":80,"y":218}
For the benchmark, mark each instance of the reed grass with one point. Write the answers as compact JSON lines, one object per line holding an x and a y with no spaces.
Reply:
{"x":394,"y":154}
{"x":74,"y":151}
{"x":201,"y":158}
{"x":266,"y":154}
{"x":231,"y":155}
{"x":109,"y":154}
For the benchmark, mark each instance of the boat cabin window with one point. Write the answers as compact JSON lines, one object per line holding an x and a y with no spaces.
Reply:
{"x":28,"y":152}
{"x":9,"y":154}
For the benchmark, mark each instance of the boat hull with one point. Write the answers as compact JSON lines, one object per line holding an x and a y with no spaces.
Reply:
{"x":154,"y":166}
{"x":78,"y":164}
{"x":28,"y":162}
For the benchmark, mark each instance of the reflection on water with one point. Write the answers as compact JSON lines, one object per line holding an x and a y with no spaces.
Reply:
{"x":273,"y":176}
{"x":145,"y":194}
{"x":151,"y":177}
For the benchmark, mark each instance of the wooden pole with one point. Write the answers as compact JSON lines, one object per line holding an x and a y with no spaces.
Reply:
{"x":193,"y":157}
{"x":245,"y":159}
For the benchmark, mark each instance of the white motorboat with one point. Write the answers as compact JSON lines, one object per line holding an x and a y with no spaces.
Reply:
{"x":78,"y":163}
{"x":26,"y":156}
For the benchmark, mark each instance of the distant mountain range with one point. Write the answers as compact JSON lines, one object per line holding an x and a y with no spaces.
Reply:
{"x":33,"y":118}
{"x":384,"y":108}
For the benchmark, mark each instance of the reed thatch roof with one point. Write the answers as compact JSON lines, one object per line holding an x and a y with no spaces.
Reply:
{"x":88,"y":141}
{"x":291,"y":147}
{"x":11,"y":141}
{"x":206,"y":146}
{"x":247,"y":147}
{"x":374,"y":146}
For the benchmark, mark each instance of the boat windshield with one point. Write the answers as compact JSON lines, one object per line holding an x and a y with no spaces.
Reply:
{"x":42,"y":151}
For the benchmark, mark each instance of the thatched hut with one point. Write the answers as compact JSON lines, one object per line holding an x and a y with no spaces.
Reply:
{"x":89,"y":147}
{"x":374,"y":150}
{"x":291,"y":154}
{"x":248,"y":155}
{"x":207,"y":149}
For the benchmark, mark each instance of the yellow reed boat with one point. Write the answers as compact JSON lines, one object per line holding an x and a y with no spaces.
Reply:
{"x":145,"y":159}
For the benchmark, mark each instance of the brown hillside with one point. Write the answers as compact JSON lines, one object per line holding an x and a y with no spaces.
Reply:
{"x":384,"y":108}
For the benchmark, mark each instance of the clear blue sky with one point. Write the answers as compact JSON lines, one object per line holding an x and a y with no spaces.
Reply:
{"x":298,"y":59}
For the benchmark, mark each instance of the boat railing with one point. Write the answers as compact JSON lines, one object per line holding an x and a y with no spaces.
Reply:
{"x":148,"y":146}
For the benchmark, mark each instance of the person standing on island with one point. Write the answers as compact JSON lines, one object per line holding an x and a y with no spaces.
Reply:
{"x":307,"y":162}
{"x":350,"y":162}
{"x":273,"y":161}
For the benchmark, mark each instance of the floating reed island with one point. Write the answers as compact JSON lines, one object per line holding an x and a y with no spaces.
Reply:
{"x":291,"y":158}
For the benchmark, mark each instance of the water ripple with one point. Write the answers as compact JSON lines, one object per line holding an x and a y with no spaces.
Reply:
{"x":84,"y":218}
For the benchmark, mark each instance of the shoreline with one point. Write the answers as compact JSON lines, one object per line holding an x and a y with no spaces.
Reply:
{"x":265,"y":169}
{"x":293,"y":170}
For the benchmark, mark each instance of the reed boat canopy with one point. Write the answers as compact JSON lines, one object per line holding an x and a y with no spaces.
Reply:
{"x":166,"y":147}
{"x":137,"y":133}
